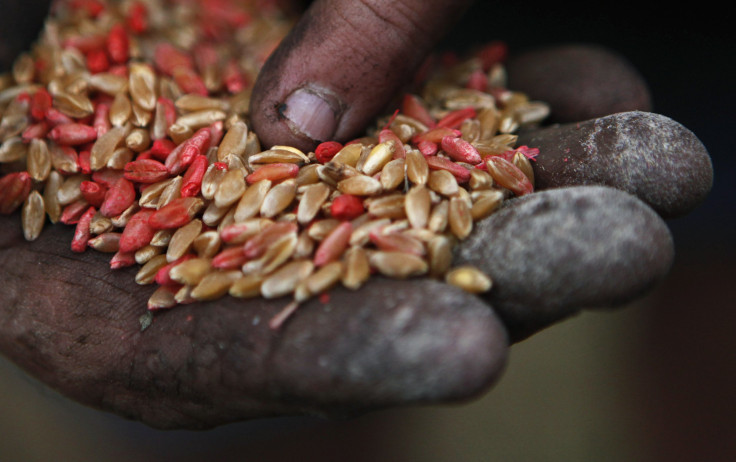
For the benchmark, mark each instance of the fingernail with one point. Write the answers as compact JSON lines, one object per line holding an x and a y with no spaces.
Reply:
{"x":311,"y":113}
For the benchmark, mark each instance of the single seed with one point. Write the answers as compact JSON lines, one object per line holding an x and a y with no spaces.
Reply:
{"x":470,"y":279}
{"x":33,"y":216}
{"x":398,"y":265}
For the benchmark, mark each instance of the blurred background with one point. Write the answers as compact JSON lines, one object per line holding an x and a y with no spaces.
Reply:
{"x":653,"y":381}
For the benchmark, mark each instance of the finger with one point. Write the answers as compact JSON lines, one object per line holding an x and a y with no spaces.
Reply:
{"x":645,"y":154}
{"x":74,"y":324}
{"x":342,"y":64}
{"x":579,"y":82}
{"x":552,"y":253}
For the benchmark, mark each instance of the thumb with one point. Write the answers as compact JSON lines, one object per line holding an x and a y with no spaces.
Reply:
{"x":342,"y":64}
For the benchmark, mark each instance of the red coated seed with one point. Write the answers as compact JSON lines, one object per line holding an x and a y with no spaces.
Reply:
{"x":235,"y":81}
{"x":35,"y":131}
{"x":427,"y":148}
{"x":40,"y":104}
{"x":508,"y":175}
{"x":97,"y":61}
{"x":118,"y":44}
{"x":82,"y":233}
{"x":334,"y":244}
{"x":183,"y":155}
{"x":414,"y":108}
{"x":145,"y":171}
{"x":107,"y":177}
{"x":455,"y":118}
{"x":435,"y":135}
{"x":324,"y":152}
{"x":460,"y":173}
{"x":137,"y":233}
{"x":73,"y":134}
{"x":217,"y":131}
{"x":137,"y":18}
{"x":101,"y":121}
{"x":118,"y":198}
{"x":14,"y":189}
{"x":460,"y":150}
{"x":190,"y":82}
{"x":346,"y":207}
{"x":388,"y":135}
{"x":56,"y":117}
{"x":122,"y":260}
{"x":493,"y":53}
{"x":93,"y":193}
{"x":192,"y":181}
{"x":257,"y":245}
{"x":477,"y":81}
{"x":83,"y":161}
{"x":169,"y":58}
{"x":230,"y":258}
{"x":162,"y":277}
{"x":162,"y":148}
{"x":274,"y":172}
{"x":73,"y":212}
{"x":175,"y":214}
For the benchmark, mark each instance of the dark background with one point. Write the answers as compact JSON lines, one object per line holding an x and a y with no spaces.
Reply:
{"x":652,"y":382}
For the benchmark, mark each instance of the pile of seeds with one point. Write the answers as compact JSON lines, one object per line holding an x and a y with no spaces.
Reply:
{"x":129,"y":120}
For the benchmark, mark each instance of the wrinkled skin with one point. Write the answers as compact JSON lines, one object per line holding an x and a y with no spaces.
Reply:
{"x":74,"y":324}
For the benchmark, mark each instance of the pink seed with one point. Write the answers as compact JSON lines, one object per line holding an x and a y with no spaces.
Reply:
{"x":183,"y":155}
{"x":478,"y":80}
{"x":35,"y":131}
{"x":257,"y":245}
{"x":460,"y":150}
{"x":122,"y":260}
{"x":168,"y":58}
{"x":346,"y":207}
{"x":388,"y":135}
{"x":455,"y":118}
{"x":14,"y":189}
{"x":73,"y":212}
{"x":274,"y":172}
{"x":175,"y":214}
{"x":427,"y":148}
{"x":82,"y":233}
{"x":73,"y":134}
{"x":508,"y":175}
{"x":83,"y":161}
{"x":162,"y":148}
{"x":56,"y":117}
{"x":137,"y":233}
{"x":235,"y":81}
{"x":192,"y":180}
{"x":435,"y":135}
{"x":118,"y":44}
{"x":230,"y":258}
{"x":118,"y":198}
{"x":162,"y":277}
{"x":333,"y":246}
{"x":325,"y":151}
{"x":93,"y":193}
{"x":102,"y":119}
{"x":190,"y":82}
{"x":107,"y":177}
{"x":145,"y":171}
{"x":460,"y":173}
{"x":40,"y":104}
{"x":413,"y":107}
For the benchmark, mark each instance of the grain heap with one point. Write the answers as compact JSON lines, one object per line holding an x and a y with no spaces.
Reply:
{"x":129,"y":120}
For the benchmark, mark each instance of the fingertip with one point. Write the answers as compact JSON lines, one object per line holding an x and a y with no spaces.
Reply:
{"x":342,"y":65}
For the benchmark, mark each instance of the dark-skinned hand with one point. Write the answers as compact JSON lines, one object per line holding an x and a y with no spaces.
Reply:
{"x":593,"y":238}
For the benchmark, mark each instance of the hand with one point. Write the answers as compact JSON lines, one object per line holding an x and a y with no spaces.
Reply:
{"x":74,"y":324}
